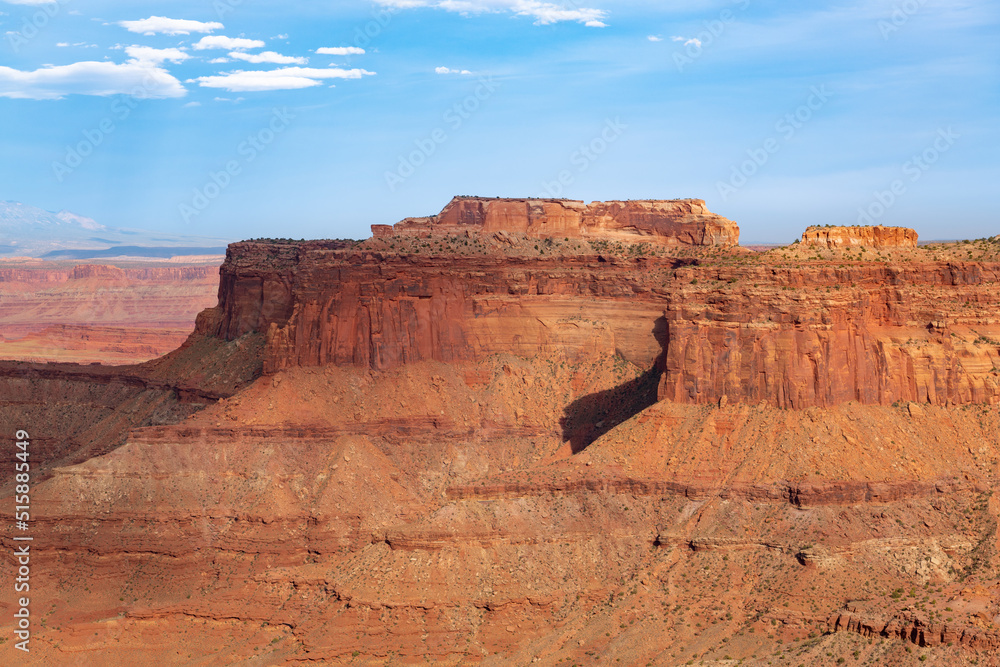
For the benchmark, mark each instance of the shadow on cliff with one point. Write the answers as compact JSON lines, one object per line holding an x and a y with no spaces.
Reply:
{"x":589,"y":417}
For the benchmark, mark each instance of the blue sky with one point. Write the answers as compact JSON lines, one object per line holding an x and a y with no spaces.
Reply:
{"x":316,"y":119}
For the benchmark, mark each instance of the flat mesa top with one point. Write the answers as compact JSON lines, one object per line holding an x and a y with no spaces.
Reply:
{"x":667,"y":222}
{"x":812,"y":228}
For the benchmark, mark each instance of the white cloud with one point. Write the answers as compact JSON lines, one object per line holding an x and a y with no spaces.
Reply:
{"x":219,"y":61}
{"x":190,"y":105}
{"x":340,"y":51}
{"x":162,"y":25}
{"x":281,"y":36}
{"x":448,"y":70}
{"x":228,"y":43}
{"x":286,"y":78}
{"x":268,"y":57}
{"x":687,"y":42}
{"x":147,"y":54}
{"x":655,"y":38}
{"x":82,"y":45}
{"x":139,"y":79}
{"x":544,"y":13}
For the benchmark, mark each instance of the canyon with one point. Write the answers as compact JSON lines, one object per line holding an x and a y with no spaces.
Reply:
{"x":534,"y":432}
{"x":119,"y":313}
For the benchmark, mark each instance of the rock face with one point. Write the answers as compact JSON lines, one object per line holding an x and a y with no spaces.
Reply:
{"x":321,"y":305}
{"x":824,"y":335}
{"x":869,"y":237}
{"x":797,"y":336}
{"x":680,"y":222}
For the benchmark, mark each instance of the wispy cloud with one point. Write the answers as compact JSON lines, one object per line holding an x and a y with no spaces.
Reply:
{"x":141,"y":79}
{"x":227,"y":43}
{"x":161,"y":25}
{"x":655,"y":38}
{"x":268,"y":57}
{"x":687,"y":40}
{"x":340,"y":51}
{"x":448,"y":70}
{"x":286,"y":78}
{"x":544,"y":13}
{"x":147,"y":54}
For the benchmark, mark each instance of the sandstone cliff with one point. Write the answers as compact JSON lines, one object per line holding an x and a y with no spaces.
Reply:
{"x":669,"y":223}
{"x":869,"y":237}
{"x":816,"y":334}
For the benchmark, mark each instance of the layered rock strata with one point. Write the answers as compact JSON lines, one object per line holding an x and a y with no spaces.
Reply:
{"x":459,"y":457}
{"x":817,"y":334}
{"x":679,"y":222}
{"x":53,"y":311}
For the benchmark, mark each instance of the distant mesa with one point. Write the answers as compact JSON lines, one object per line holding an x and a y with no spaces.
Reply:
{"x":28,"y":231}
{"x":871,"y":237}
{"x":136,"y":251}
{"x":676,"y":222}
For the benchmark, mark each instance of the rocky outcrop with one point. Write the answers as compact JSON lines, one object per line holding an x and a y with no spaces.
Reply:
{"x":818,"y":334}
{"x":913,"y":628}
{"x":680,"y":222}
{"x":320,"y":305}
{"x":853,"y":237}
{"x":822,"y":334}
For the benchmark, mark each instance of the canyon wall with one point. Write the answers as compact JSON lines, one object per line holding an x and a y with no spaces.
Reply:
{"x":817,"y":334}
{"x":822,"y":335}
{"x":679,"y":222}
{"x":365,"y":308}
